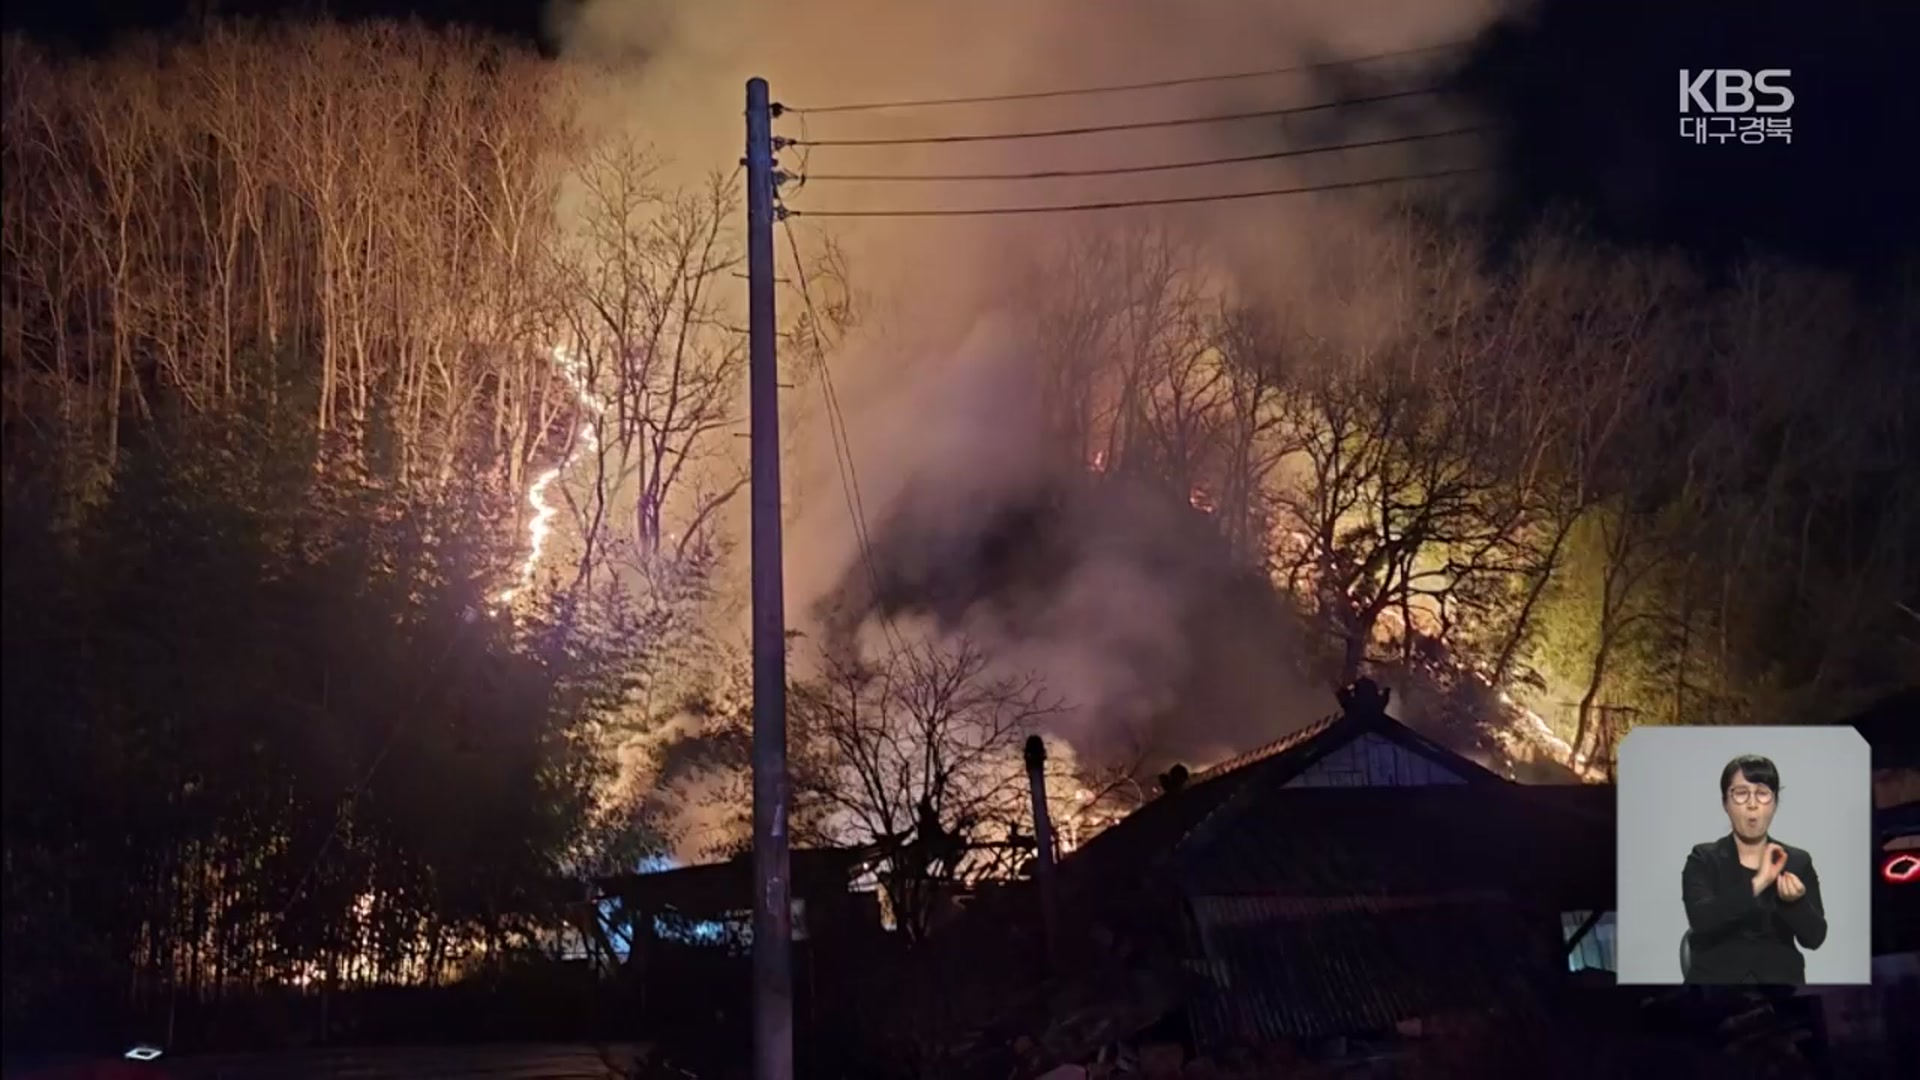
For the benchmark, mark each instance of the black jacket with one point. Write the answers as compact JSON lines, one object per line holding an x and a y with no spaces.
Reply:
{"x":1738,"y":937}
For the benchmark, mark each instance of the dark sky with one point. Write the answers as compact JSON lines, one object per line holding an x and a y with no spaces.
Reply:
{"x":91,"y":22}
{"x":1588,"y":96}
{"x":1586,"y":93}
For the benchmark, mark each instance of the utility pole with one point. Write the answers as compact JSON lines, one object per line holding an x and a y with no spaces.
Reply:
{"x":772,"y":903}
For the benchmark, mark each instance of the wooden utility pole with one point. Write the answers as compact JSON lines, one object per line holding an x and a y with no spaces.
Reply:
{"x":772,"y":902}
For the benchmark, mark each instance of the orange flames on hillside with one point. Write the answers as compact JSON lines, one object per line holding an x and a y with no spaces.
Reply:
{"x":545,"y":509}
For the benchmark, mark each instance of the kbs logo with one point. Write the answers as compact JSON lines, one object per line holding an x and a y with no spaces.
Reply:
{"x":1735,"y":92}
{"x":1716,"y":104}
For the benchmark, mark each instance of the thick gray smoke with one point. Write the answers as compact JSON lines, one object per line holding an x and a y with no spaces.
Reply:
{"x":1118,"y":595}
{"x":1118,"y":591}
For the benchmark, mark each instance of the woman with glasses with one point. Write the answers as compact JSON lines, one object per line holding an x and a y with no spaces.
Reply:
{"x":1752,"y":902}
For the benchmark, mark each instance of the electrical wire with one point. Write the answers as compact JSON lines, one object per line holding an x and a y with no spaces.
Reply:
{"x":836,"y":418}
{"x":1123,"y":204}
{"x":1113,"y":88}
{"x":1128,"y":170}
{"x":842,"y":443}
{"x":1132,"y":125}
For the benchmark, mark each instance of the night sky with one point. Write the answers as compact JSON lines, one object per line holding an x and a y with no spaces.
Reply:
{"x":1586,"y":91}
{"x":1589,"y":94}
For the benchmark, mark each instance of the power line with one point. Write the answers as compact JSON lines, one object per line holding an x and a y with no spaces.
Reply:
{"x":835,"y":418}
{"x":1136,"y":125}
{"x":842,"y":443}
{"x":1112,"y":88}
{"x":1125,"y":170}
{"x":1121,"y":204}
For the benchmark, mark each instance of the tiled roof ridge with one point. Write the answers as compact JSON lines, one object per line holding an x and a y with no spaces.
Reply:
{"x":1234,"y":802}
{"x":1356,"y":726}
{"x":1260,"y":753}
{"x":1230,"y":782}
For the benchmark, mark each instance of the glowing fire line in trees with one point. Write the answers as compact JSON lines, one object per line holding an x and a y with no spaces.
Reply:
{"x":540,"y":527}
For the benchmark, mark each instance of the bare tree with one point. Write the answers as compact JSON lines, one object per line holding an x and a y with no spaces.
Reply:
{"x":1787,"y":497}
{"x":1572,"y":330}
{"x":1253,"y":437}
{"x":117,"y":121}
{"x":918,"y":753}
{"x":1391,"y":503}
{"x":659,"y":362}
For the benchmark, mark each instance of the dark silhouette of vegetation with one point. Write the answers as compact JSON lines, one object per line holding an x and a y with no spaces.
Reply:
{"x":264,"y":727}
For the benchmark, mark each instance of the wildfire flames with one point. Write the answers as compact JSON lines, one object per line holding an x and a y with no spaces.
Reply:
{"x":540,"y":527}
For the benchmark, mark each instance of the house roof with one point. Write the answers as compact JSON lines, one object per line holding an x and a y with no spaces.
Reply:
{"x":1224,"y":817}
{"x":729,"y":885}
{"x":1273,"y":749}
{"x":1323,"y":908}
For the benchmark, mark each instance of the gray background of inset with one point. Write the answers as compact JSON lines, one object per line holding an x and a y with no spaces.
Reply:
{"x":1669,"y":800}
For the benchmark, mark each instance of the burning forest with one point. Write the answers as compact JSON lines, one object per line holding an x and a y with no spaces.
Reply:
{"x":376,"y":461}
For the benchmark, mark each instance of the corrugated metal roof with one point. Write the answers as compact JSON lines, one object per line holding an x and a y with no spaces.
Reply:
{"x":1283,"y":969}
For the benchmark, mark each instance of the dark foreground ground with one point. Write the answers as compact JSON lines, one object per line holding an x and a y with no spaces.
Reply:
{"x":552,"y":1061}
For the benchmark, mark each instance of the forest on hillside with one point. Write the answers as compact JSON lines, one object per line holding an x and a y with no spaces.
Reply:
{"x":295,"y":319}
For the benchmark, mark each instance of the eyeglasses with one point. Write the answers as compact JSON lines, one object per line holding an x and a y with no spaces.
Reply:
{"x":1759,"y":795}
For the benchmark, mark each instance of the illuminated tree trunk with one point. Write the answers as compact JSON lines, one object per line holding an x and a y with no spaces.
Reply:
{"x":1536,"y":588}
{"x":1629,"y":560}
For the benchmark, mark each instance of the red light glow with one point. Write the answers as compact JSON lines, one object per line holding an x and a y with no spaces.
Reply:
{"x":1901,"y":869}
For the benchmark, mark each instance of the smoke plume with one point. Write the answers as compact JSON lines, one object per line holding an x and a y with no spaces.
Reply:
{"x":1117,"y":593}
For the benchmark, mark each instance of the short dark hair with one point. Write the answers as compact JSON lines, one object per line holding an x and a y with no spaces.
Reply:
{"x":1757,"y":769}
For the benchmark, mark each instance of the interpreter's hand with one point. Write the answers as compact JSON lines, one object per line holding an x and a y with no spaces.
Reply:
{"x":1772,"y":861}
{"x":1790,"y":887}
